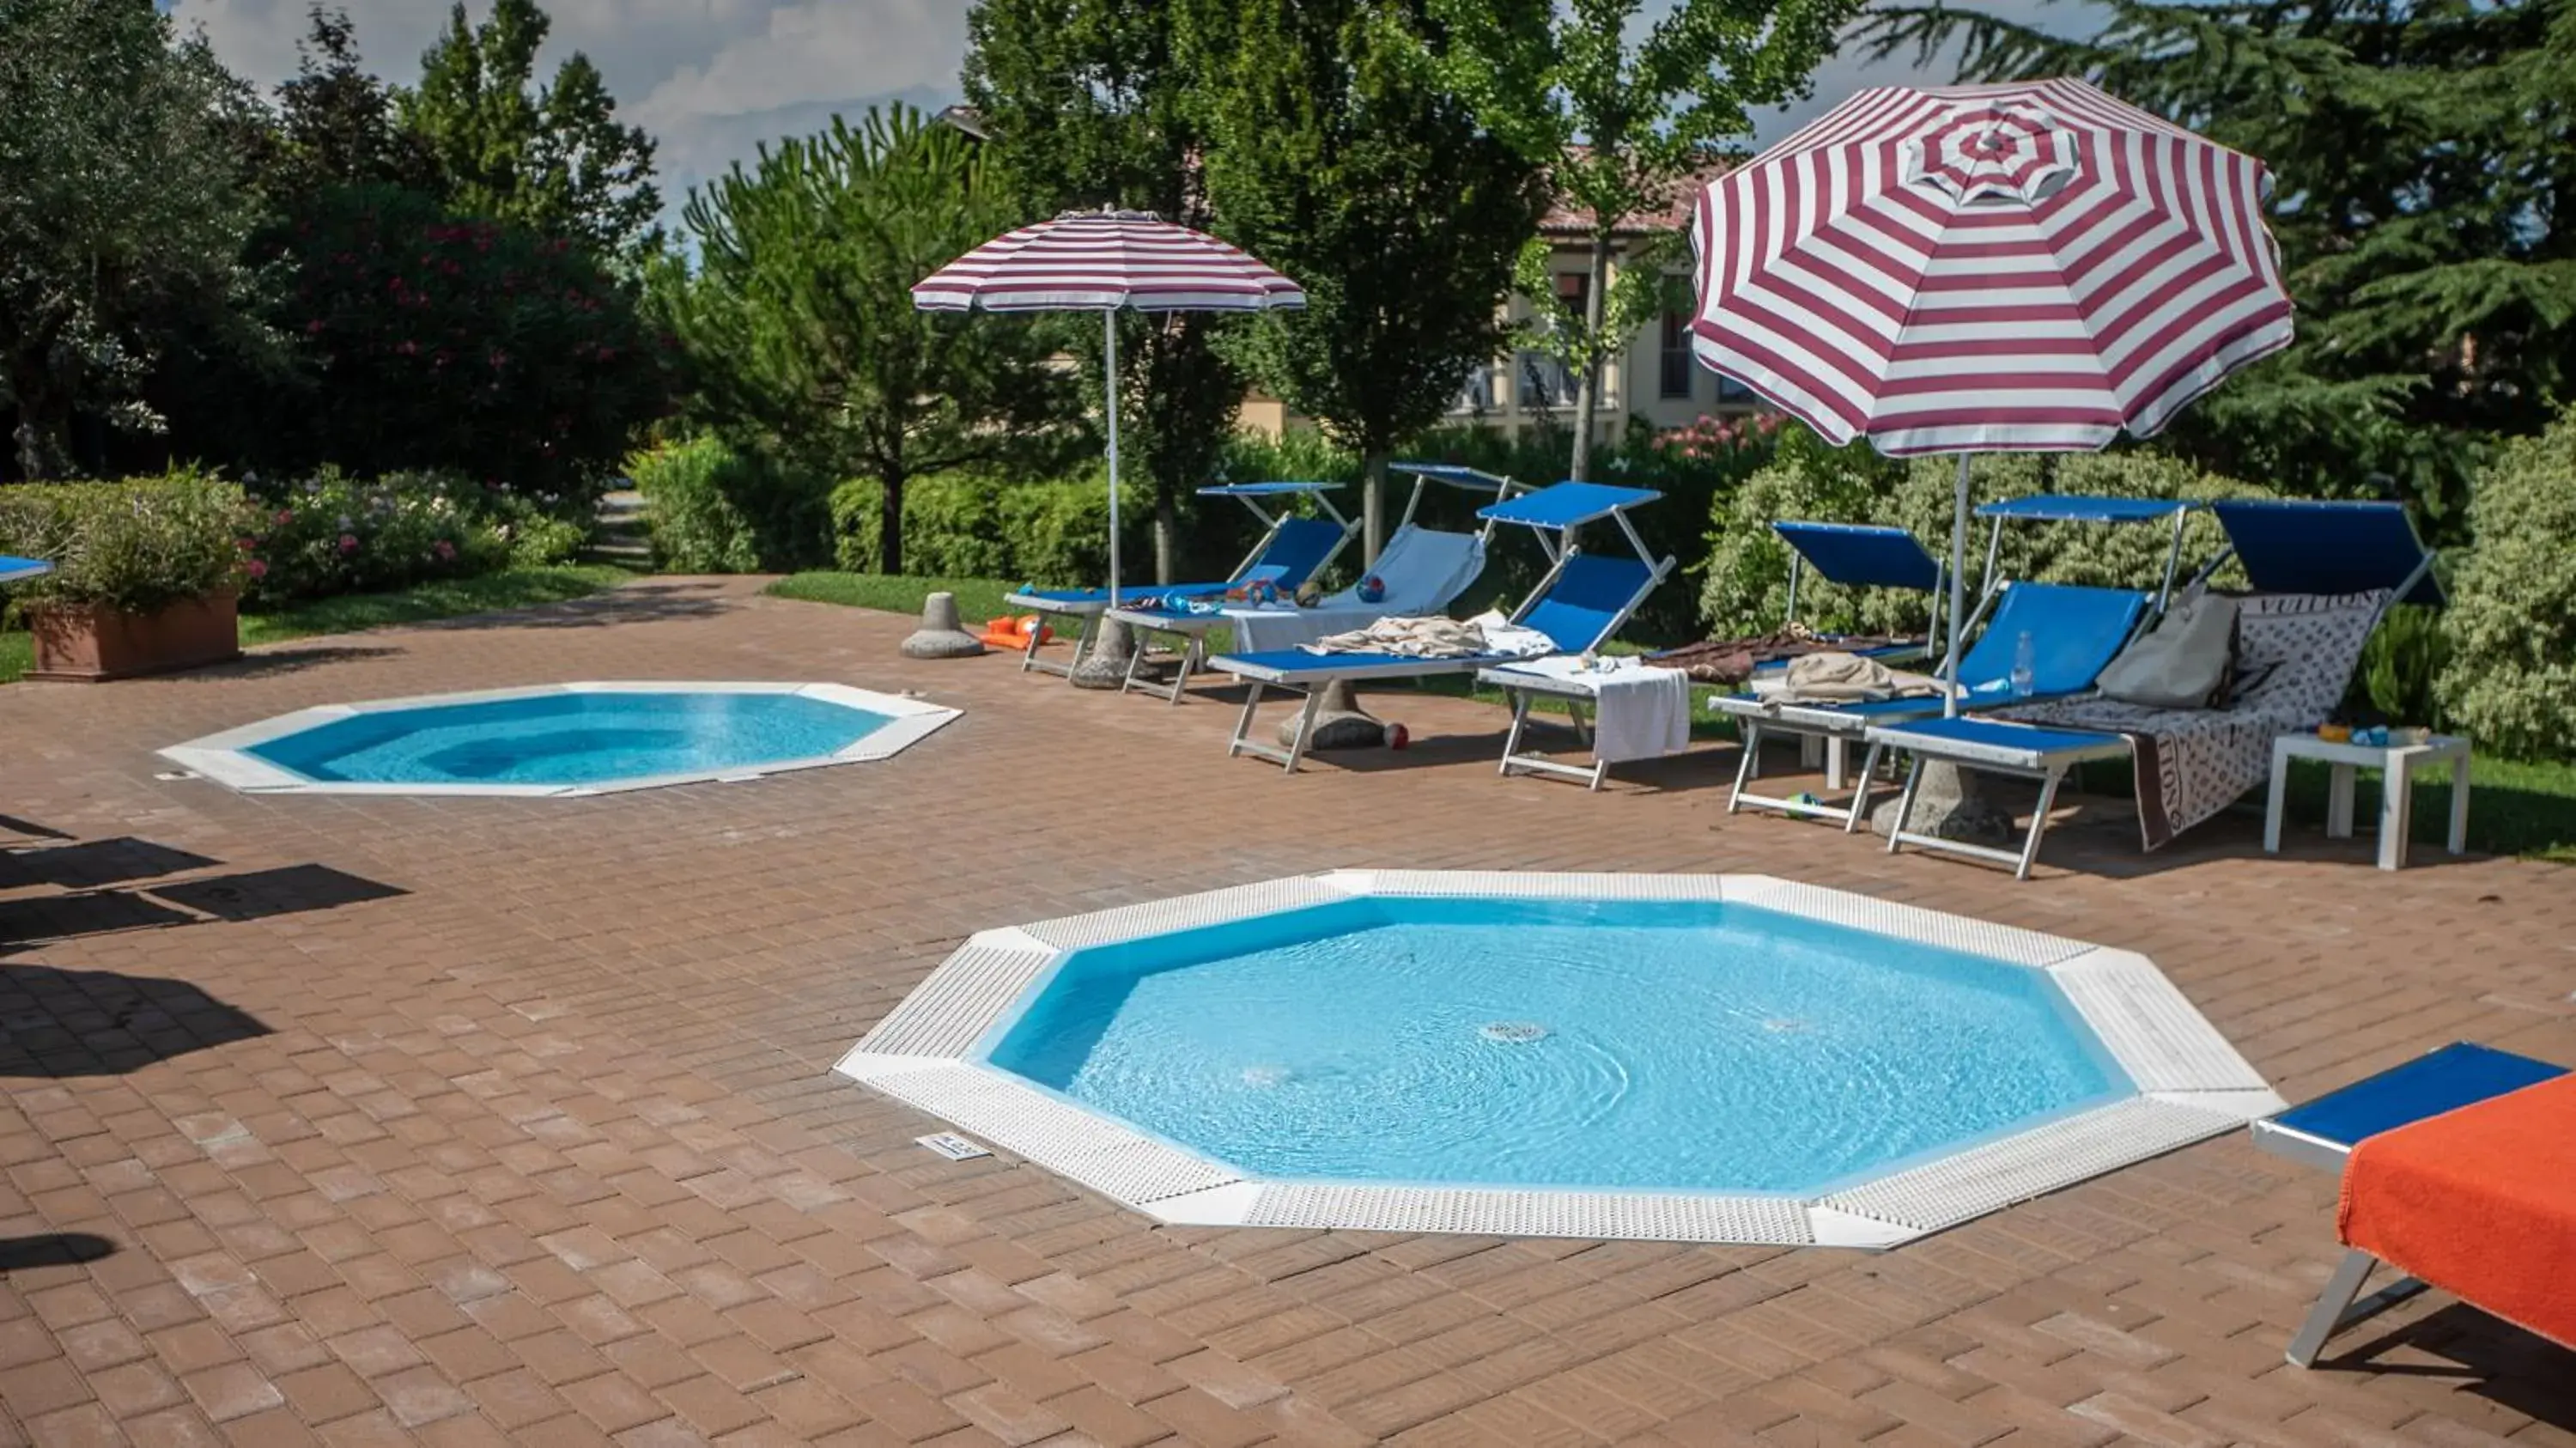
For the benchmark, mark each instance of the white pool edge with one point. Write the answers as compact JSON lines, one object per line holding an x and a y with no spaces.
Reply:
{"x":225,"y":758}
{"x":2192,"y":1084}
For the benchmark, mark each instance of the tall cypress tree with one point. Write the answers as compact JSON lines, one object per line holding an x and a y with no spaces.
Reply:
{"x":1089,"y":105}
{"x":1339,"y":159}
{"x":2425,"y":154}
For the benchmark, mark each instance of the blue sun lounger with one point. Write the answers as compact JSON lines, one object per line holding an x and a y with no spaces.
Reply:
{"x":1421,"y":571}
{"x":19,"y":570}
{"x":2323,"y":1132}
{"x":2322,"y":548}
{"x":1864,"y":555}
{"x":2075,"y":632}
{"x":1583,"y":600}
{"x":1292,"y":549}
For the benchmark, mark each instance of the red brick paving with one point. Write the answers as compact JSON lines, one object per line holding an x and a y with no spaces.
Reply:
{"x":482,"y":1121}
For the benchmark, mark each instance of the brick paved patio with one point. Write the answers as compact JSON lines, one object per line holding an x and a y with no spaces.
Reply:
{"x":480,"y":1121}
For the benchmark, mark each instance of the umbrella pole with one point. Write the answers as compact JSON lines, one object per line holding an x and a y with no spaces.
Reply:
{"x":1109,"y":390}
{"x":1958,"y":589}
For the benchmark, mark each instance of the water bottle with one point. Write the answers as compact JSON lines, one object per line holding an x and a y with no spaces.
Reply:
{"x":2025,"y":669}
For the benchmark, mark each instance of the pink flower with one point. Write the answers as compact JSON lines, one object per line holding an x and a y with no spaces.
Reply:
{"x":407,"y":347}
{"x":348,"y":542}
{"x":286,"y":515}
{"x":444,"y":549}
{"x":246,"y":544}
{"x":256,"y":569}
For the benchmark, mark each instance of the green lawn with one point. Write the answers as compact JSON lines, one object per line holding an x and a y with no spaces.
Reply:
{"x":489,"y":593}
{"x":2515,"y":808}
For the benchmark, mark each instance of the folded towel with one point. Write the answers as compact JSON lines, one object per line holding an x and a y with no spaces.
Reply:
{"x":2476,"y":1201}
{"x":1840,"y":678}
{"x":1638,"y":711}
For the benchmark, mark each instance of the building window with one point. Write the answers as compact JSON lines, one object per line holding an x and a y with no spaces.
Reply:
{"x":1545,"y":382}
{"x":1676,"y":357}
{"x":1476,"y":394}
{"x":1730,"y":390}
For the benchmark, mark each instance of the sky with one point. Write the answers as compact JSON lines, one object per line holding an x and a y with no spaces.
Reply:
{"x":710,"y":79}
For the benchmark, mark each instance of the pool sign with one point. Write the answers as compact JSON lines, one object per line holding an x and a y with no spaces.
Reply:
{"x":952,"y":1146}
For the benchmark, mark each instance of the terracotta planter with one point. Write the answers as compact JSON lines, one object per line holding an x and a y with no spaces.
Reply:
{"x":87,"y":643}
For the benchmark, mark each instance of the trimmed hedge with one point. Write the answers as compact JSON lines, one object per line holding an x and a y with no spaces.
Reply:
{"x":136,"y":545}
{"x":331,"y":534}
{"x":713,"y":508}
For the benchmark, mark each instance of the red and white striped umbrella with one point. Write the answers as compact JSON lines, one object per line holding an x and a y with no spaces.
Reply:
{"x":1098,"y":261}
{"x":1970,"y":268}
{"x":1106,"y":262}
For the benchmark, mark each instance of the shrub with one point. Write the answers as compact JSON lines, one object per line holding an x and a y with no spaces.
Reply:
{"x":714,"y":508}
{"x":2401,"y":669}
{"x":136,"y":545}
{"x":976,"y":525}
{"x":2512,"y":621}
{"x":331,"y":534}
{"x":1745,"y":588}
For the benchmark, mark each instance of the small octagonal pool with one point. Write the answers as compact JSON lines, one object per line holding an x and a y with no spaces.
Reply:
{"x":1727,"y":1058}
{"x":561,"y":739}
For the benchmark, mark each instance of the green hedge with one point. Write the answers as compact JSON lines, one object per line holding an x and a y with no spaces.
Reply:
{"x":713,"y":508}
{"x":975,"y":525}
{"x":331,"y":534}
{"x":138,"y":545}
{"x":2510,"y":680}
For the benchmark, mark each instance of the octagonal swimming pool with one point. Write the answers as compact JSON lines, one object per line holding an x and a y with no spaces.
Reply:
{"x":1556,"y":1043}
{"x":562,"y":739}
{"x":1718,"y":1058}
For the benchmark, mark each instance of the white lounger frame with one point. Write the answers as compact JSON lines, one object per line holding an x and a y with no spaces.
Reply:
{"x":1561,"y":550}
{"x":1190,"y":632}
{"x":2047,"y":766}
{"x":1090,"y":611}
{"x":2335,"y":1307}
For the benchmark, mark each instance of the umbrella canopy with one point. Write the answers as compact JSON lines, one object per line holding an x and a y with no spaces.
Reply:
{"x":1971,"y":268}
{"x":1959,"y":269}
{"x":1107,"y":261}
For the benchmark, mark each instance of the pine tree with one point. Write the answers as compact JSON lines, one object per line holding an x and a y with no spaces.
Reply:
{"x":2424,"y":154}
{"x":1338,"y":160}
{"x":799,"y":322}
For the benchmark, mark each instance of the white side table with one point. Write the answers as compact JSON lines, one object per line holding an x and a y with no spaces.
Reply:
{"x":2397,"y":792}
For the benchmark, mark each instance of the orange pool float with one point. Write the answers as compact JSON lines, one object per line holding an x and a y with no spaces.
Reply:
{"x":1014,"y":633}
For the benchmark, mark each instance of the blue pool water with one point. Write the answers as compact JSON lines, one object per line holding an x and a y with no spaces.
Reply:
{"x":1553,"y":1043}
{"x":570,"y":739}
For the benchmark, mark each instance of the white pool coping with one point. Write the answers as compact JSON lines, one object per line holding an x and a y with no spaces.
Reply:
{"x":226,"y":758}
{"x":2191,"y":1083}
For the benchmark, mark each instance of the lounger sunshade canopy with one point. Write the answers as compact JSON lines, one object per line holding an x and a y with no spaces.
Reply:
{"x":2289,"y":546}
{"x":1863,"y":555}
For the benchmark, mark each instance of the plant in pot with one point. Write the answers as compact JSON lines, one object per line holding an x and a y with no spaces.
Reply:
{"x":146,"y":573}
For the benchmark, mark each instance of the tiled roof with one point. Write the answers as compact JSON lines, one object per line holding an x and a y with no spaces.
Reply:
{"x":1565,"y":219}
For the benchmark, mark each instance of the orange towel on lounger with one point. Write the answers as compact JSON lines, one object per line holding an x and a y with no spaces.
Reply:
{"x":2480,"y":1202}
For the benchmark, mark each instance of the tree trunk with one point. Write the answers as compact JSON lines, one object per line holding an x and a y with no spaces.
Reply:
{"x":890,"y":523}
{"x":39,"y":439}
{"x":1587,"y":387}
{"x":1167,"y":530}
{"x":1373,"y":507}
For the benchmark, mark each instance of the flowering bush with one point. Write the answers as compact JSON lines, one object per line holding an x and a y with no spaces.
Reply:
{"x":135,"y":545}
{"x":332,"y":533}
{"x":434,"y":340}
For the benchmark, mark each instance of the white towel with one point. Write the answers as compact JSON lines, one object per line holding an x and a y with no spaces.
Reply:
{"x":1640,"y":711}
